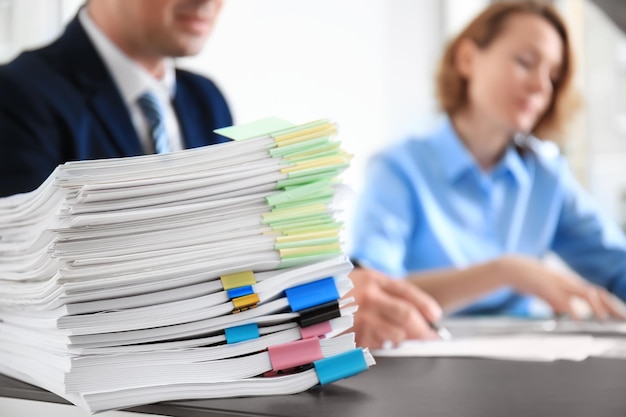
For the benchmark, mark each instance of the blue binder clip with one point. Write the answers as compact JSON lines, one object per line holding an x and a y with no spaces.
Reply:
{"x":240,"y":291}
{"x":242,"y":333}
{"x":311,"y":294}
{"x":340,"y":366}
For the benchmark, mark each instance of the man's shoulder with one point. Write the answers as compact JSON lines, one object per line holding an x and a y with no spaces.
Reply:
{"x":37,"y":69}
{"x":27,"y":76}
{"x":32,"y":84}
{"x":195,"y":80}
{"x":23,"y":65}
{"x":198,"y":90}
{"x":69,"y":64}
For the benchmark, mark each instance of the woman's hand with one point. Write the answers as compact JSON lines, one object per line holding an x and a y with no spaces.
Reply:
{"x":558,"y":288}
{"x":390,"y":310}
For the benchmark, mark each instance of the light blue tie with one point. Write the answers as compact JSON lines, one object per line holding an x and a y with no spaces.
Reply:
{"x":153,"y":112}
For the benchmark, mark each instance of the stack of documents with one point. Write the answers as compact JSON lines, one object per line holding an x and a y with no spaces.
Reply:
{"x":211,"y":272}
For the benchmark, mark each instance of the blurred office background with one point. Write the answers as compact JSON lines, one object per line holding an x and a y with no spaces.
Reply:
{"x":370,"y":65}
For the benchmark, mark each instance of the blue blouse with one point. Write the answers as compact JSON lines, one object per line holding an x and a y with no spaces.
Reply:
{"x":427,"y":204}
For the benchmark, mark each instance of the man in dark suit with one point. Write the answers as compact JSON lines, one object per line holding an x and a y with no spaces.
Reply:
{"x":79,"y":97}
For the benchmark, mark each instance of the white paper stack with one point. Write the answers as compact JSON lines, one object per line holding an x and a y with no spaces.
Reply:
{"x":211,"y":272}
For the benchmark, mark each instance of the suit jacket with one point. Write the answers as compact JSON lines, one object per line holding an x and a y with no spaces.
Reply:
{"x":60,"y":104}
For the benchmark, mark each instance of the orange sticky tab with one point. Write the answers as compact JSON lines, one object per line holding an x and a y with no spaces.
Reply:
{"x":245,"y":303}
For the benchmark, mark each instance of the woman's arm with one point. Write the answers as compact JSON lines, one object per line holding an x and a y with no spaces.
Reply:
{"x":456,"y":288}
{"x":588,"y":241}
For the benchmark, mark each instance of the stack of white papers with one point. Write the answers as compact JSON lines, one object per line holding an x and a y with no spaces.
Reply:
{"x":211,"y":272}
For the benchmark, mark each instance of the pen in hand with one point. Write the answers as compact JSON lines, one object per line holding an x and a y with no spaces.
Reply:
{"x":442,"y":331}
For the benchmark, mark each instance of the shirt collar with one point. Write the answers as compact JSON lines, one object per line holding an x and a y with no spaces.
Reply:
{"x":513,"y":163}
{"x":131,"y":79}
{"x":456,"y":159}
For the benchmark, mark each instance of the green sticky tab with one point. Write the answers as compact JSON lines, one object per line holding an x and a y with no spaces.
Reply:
{"x":310,"y":221}
{"x":318,"y":152}
{"x":259,"y":128}
{"x":293,"y":181}
{"x":302,"y":212}
{"x":327,"y":200}
{"x":331,"y":181}
{"x":309,"y":242}
{"x":303,"y":260}
{"x":294,"y":230}
{"x":305,"y":191}
{"x":300,"y":147}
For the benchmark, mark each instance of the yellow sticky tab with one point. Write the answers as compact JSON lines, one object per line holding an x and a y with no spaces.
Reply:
{"x":310,"y":250}
{"x":304,"y":136}
{"x":313,"y":130}
{"x":246,"y":302}
{"x":316,"y":163}
{"x":321,"y":234}
{"x":238,"y":279}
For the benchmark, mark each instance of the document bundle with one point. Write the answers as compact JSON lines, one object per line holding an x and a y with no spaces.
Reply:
{"x":205,"y":273}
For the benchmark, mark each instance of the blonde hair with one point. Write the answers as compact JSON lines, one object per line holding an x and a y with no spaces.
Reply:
{"x":484,"y":29}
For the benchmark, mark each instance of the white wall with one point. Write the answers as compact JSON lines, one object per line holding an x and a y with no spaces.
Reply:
{"x":16,"y":32}
{"x":458,"y":13}
{"x":605,"y":96}
{"x":596,"y":148}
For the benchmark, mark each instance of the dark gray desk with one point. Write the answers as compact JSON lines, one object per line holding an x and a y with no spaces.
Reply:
{"x":425,"y":387}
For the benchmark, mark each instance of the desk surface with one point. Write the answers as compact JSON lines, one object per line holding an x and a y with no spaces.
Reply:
{"x":424,"y":387}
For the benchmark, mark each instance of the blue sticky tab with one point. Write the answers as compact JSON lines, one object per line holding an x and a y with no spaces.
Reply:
{"x":240,"y":291}
{"x":312,"y":294}
{"x":340,"y":366}
{"x":242,"y":333}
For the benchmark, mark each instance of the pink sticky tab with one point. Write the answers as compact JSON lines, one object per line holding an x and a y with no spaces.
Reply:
{"x":300,"y":352}
{"x":317,"y":330}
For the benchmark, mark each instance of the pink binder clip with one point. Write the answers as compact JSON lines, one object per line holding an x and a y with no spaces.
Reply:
{"x":316,"y":330}
{"x":292,"y":354}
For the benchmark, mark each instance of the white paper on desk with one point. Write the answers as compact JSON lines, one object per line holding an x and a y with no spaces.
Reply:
{"x":502,"y":325}
{"x":614,"y":348}
{"x":537,"y":348}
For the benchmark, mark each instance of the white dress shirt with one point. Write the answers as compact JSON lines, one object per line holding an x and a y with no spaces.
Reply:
{"x":132,"y":81}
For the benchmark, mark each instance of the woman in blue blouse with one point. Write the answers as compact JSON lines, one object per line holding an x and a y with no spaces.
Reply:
{"x":465,"y":213}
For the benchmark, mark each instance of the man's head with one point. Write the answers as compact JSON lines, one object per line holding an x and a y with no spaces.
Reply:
{"x":153,"y":29}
